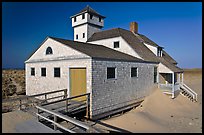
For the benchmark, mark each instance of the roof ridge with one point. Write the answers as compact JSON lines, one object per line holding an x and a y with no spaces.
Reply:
{"x":138,"y":37}
{"x":89,"y":10}
{"x":71,"y":44}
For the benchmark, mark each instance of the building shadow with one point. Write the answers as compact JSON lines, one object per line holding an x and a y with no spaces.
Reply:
{"x":110,"y":128}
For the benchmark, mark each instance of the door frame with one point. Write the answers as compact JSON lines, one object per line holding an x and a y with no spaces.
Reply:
{"x":69,"y":77}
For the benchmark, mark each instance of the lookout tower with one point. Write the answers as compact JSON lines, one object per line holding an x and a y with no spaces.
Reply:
{"x":86,"y":23}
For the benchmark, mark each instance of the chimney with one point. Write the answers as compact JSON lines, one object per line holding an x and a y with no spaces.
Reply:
{"x":134,"y":27}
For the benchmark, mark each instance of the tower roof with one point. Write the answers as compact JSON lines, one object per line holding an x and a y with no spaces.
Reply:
{"x":88,"y":9}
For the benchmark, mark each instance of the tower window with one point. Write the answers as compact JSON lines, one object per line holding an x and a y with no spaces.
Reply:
{"x":83,"y":16}
{"x":76,"y":36}
{"x":99,"y":19}
{"x":91,"y":16}
{"x":75,"y":19}
{"x":116,"y":44}
{"x":83,"y":35}
{"x":49,"y":50}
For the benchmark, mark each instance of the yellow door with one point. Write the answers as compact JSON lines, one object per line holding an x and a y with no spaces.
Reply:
{"x":78,"y":82}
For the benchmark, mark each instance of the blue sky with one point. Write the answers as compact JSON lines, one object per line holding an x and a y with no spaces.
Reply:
{"x":176,"y":26}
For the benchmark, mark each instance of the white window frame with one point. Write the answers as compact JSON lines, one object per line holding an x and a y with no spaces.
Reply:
{"x":131,"y":72}
{"x":107,"y":73}
{"x":118,"y":44}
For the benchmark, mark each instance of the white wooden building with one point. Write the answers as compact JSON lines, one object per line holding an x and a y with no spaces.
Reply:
{"x":117,"y":66}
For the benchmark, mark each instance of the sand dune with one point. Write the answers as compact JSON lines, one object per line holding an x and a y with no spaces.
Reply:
{"x":160,"y":113}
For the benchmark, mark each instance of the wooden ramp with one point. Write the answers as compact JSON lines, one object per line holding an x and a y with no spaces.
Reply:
{"x":33,"y":126}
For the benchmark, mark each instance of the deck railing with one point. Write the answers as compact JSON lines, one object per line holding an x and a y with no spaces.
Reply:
{"x":70,"y":98}
{"x":33,"y":98}
{"x":190,"y":91}
{"x":42,"y":109}
{"x":169,"y":86}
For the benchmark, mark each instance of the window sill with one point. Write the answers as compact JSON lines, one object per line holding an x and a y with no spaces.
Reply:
{"x":112,"y":79}
{"x":134,"y":76}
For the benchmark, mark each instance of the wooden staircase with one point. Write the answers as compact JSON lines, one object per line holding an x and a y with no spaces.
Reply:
{"x":188,"y":92}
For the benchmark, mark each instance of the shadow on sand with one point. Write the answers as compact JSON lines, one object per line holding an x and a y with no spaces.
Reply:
{"x":110,"y":128}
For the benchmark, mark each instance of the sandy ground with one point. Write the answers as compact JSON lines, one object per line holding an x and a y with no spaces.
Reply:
{"x":11,"y":119}
{"x":160,"y":113}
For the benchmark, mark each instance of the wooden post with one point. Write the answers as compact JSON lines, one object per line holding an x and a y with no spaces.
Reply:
{"x":179,"y":78}
{"x":65,"y":93}
{"x":20,"y":104}
{"x":55,"y":120}
{"x":182,"y":79}
{"x":172,"y":85}
{"x":45,"y":98}
{"x":66,"y":102}
{"x":66,"y":105}
{"x":158,"y":78}
{"x":38,"y":117}
{"x":88,"y":106}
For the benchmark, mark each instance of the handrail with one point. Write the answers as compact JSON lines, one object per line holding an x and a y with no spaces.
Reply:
{"x":65,"y":99}
{"x":78,"y":123}
{"x":56,"y":123}
{"x":25,"y":97}
{"x":190,"y":90}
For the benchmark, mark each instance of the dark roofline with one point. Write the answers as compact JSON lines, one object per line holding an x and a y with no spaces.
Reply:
{"x":88,"y":9}
{"x":136,"y":43}
{"x":89,"y":24}
{"x":37,"y":48}
{"x":102,"y":58}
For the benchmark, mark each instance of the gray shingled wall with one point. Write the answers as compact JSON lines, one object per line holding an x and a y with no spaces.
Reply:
{"x":109,"y":94}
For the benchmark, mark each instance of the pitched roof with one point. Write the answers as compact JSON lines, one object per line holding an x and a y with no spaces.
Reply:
{"x":88,"y":9}
{"x":98,"y":51}
{"x":136,"y":42}
{"x":148,"y":41}
{"x":164,"y":55}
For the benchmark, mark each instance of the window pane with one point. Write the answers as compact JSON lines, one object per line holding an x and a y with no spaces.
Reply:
{"x":76,"y":36}
{"x":110,"y":73}
{"x":49,"y":50}
{"x":155,"y":74}
{"x":99,"y":19}
{"x":33,"y":71}
{"x":134,"y":72}
{"x":116,"y":44}
{"x":83,"y":16}
{"x":91,"y":16}
{"x":56,"y":72}
{"x":74,"y":19}
{"x":83,"y":35}
{"x":43,"y":71}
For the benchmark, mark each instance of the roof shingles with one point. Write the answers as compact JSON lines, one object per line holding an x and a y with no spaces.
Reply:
{"x":98,"y":51}
{"x":88,"y":9}
{"x":137,"y":44}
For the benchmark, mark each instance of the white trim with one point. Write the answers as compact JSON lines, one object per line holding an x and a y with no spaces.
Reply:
{"x":163,"y":69}
{"x":115,"y":73}
{"x":131,"y":72}
{"x":173,"y":85}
